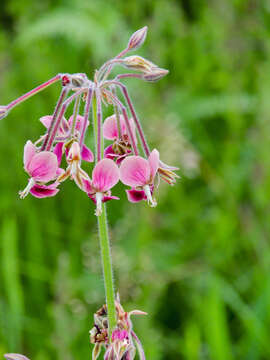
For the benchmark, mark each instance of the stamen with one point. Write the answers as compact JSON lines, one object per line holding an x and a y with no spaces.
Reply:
{"x":29,"y":186}
{"x":152,"y":202}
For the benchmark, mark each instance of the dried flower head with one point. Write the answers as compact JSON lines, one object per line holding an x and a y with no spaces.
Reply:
{"x":123,"y":342}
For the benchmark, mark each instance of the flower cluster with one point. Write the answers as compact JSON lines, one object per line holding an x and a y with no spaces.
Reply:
{"x":123,"y":339}
{"x":122,"y":160}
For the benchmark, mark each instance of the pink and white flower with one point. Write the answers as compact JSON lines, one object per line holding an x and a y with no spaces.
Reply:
{"x":121,"y":146}
{"x":105,"y":176}
{"x":42,"y":167}
{"x":139,"y":173}
{"x":65,"y":132}
{"x":74,"y":170}
{"x":121,"y":346}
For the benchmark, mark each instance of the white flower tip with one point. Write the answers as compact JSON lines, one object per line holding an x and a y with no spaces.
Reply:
{"x":150,"y":200}
{"x":152,"y":203}
{"x":25,"y":192}
{"x":98,"y":210}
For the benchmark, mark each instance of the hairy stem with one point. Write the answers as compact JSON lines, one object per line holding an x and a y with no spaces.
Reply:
{"x":123,"y":109}
{"x":134,"y":115}
{"x":100,"y":147}
{"x":116,"y":111}
{"x":58,"y":106}
{"x":56,"y":125}
{"x":105,"y":246}
{"x":86,"y":114}
{"x":75,"y":114}
{"x":33,"y":92}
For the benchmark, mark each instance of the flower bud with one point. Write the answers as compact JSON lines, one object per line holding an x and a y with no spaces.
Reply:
{"x":15,"y":357}
{"x":137,"y":39}
{"x":136,"y":62}
{"x":3,"y":112}
{"x":155,"y":74}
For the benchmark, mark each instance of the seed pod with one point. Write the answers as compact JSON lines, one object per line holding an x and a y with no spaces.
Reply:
{"x":138,"y":63}
{"x":137,"y":39}
{"x":155,"y":74}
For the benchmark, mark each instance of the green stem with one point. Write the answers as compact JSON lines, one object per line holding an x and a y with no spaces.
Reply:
{"x":105,"y":248}
{"x":107,"y":268}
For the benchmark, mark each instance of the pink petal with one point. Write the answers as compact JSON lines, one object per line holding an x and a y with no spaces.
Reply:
{"x":42,"y":191}
{"x":46,"y":120}
{"x":87,"y":186}
{"x":60,"y":172}
{"x":120,"y":158}
{"x":29,"y":152}
{"x":43,"y":166}
{"x":87,"y":154}
{"x":58,"y":151}
{"x":167,"y":167}
{"x":135,"y":195}
{"x":110,"y":129}
{"x":154,"y":162}
{"x":104,"y":199}
{"x":105,"y":175}
{"x":109,"y":152}
{"x":135,"y":171}
{"x":107,"y":198}
{"x":79,"y":122}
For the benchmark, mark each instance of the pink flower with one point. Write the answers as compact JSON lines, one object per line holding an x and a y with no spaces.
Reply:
{"x":42,"y":167}
{"x":105,"y":176}
{"x":74,"y":170}
{"x":120,"y":346}
{"x":110,"y":128}
{"x":65,"y":132}
{"x":121,"y":146}
{"x":140,"y":173}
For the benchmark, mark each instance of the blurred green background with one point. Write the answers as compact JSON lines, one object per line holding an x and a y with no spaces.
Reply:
{"x":198,"y":263}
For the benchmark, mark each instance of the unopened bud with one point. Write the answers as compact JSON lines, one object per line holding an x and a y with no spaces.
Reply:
{"x":78,"y":80}
{"x":3,"y":112}
{"x":15,"y":357}
{"x":138,"y":63}
{"x":74,"y":153}
{"x":155,"y":74}
{"x":137,"y":39}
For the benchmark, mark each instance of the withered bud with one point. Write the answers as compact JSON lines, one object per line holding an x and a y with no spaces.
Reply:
{"x":155,"y":74}
{"x":137,"y":39}
{"x":3,"y":112}
{"x":136,"y":62}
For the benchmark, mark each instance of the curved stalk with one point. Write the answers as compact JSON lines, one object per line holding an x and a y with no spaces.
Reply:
{"x":33,"y":92}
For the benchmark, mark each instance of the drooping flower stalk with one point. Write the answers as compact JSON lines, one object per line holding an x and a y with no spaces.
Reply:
{"x":33,"y":92}
{"x":60,"y":101}
{"x":56,"y":125}
{"x":88,"y":103}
